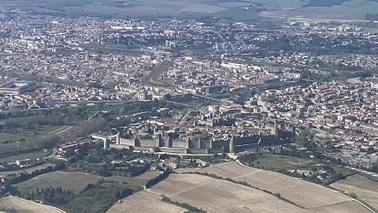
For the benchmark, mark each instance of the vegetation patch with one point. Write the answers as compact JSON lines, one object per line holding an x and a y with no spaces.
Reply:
{"x":97,"y":198}
{"x":187,"y":206}
{"x":157,"y":179}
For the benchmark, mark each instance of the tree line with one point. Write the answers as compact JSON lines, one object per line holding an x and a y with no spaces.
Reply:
{"x":157,"y":179}
{"x":27,"y":176}
{"x":97,"y":197}
{"x":371,"y":17}
{"x":187,"y":206}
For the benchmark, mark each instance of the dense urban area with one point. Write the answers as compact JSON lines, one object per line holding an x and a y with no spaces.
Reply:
{"x":187,"y":114}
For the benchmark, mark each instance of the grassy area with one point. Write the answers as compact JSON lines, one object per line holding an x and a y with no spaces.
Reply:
{"x":277,"y":162}
{"x":359,"y":7}
{"x":355,"y":8}
{"x":12,"y":137}
{"x":19,"y":133}
{"x":98,"y":198}
{"x":30,"y":155}
{"x":345,"y":172}
{"x":280,"y":162}
{"x":351,"y":10}
{"x":42,"y":130}
{"x":237,"y":15}
{"x":269,"y":4}
{"x":371,"y":30}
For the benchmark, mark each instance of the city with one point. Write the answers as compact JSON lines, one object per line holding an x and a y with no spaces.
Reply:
{"x":159,"y":108}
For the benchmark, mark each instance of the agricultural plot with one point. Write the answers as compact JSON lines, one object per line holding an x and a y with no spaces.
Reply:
{"x":144,"y":202}
{"x":224,"y":169}
{"x":348,"y":10}
{"x":16,"y":204}
{"x":364,"y":188}
{"x":284,"y":4}
{"x":75,"y":181}
{"x":360,"y":9}
{"x":305,"y":194}
{"x":148,"y":175}
{"x":113,"y":8}
{"x":347,"y":206}
{"x":215,"y":195}
{"x":236,"y":15}
{"x":309,"y":15}
{"x":133,"y":182}
{"x":26,"y":170}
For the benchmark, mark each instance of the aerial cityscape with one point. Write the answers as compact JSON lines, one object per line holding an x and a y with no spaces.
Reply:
{"x":202,"y":106}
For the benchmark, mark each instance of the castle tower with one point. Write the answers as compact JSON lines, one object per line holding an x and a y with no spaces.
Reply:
{"x":231,"y":145}
{"x":169,"y":141}
{"x":106,"y":143}
{"x":86,"y":56}
{"x":211,"y":143}
{"x":118,"y":138}
{"x":136,"y":142}
{"x":275,"y":131}
{"x":188,"y":143}
{"x":158,"y":139}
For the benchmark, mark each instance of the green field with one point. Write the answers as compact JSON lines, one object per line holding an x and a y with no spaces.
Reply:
{"x":236,"y":15}
{"x":12,"y":137}
{"x":76,"y":181}
{"x":364,"y":8}
{"x":283,"y":162}
{"x":27,"y":134}
{"x":281,"y":3}
{"x":277,"y":162}
{"x":361,"y":7}
{"x":30,"y":155}
{"x":353,"y":10}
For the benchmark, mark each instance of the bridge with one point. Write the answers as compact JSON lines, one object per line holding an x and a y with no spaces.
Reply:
{"x":212,"y":99}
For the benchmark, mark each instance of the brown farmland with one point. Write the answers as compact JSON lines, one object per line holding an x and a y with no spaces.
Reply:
{"x":311,"y":197}
{"x":16,"y":204}
{"x":144,"y":202}
{"x":364,"y":188}
{"x":75,"y":181}
{"x":215,"y":195}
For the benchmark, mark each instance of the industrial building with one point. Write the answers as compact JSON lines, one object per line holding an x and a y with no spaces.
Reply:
{"x":17,"y":87}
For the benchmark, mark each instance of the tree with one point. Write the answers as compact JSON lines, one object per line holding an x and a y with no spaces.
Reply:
{"x":353,"y":195}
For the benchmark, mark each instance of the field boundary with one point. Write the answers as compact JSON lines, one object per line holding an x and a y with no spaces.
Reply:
{"x":330,"y":188}
{"x":357,"y":199}
{"x":243,"y":183}
{"x":186,"y":206}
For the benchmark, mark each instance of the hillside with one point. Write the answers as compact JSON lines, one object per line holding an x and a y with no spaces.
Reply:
{"x":237,"y":10}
